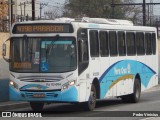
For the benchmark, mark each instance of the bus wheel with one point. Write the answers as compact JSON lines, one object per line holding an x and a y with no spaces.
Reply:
{"x":36,"y":106}
{"x":135,"y":96}
{"x":91,"y":103}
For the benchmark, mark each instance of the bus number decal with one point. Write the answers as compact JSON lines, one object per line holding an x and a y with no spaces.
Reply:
{"x":95,"y":73}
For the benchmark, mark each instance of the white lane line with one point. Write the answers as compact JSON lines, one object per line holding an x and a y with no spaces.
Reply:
{"x":114,"y":110}
{"x":13,"y":104}
{"x":107,"y":109}
{"x":148,"y":118}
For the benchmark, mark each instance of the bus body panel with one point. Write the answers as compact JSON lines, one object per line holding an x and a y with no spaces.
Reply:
{"x":116,"y":74}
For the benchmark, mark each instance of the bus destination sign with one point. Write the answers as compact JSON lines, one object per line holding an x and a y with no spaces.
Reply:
{"x":42,"y":28}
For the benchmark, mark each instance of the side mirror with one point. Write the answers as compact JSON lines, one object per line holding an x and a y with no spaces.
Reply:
{"x":4,"y":49}
{"x":80,"y":49}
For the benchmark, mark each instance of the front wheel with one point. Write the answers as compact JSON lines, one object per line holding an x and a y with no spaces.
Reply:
{"x":36,"y":106}
{"x":91,"y":103}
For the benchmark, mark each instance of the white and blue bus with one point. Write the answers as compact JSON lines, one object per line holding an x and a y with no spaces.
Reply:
{"x":80,"y":61}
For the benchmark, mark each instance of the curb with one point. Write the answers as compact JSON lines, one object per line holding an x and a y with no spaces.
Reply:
{"x":10,"y":106}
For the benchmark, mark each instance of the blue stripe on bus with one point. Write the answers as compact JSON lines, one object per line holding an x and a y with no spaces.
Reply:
{"x":122,"y":68}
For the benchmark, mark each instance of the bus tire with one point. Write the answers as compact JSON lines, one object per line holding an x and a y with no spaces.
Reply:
{"x":36,"y":106}
{"x":135,"y":96}
{"x":91,"y":103}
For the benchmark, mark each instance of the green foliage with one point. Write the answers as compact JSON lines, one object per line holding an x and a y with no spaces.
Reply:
{"x":92,"y":8}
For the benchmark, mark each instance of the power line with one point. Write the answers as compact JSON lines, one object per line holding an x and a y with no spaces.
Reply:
{"x":130,"y":4}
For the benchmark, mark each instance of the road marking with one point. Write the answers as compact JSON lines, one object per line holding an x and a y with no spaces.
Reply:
{"x":114,"y":110}
{"x":107,"y":109}
{"x":154,"y":101}
{"x":148,"y":118}
{"x":13,"y":104}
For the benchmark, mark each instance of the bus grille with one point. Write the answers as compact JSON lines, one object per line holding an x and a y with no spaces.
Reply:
{"x":41,"y":79}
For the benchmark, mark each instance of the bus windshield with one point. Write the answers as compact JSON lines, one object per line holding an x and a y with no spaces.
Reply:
{"x":52,"y":55}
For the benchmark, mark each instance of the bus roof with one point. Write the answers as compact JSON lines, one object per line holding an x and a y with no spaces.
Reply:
{"x":102,"y":23}
{"x":84,"y":20}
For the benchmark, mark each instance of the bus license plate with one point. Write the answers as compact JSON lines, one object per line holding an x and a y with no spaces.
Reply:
{"x":39,"y":95}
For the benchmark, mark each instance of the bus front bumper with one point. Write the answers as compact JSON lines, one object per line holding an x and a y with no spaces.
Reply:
{"x":69,"y":95}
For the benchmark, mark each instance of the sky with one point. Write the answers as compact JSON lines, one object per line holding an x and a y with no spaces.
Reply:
{"x":52,"y":4}
{"x":156,"y":8}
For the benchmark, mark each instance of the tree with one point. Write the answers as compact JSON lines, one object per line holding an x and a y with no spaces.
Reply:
{"x":133,"y":12}
{"x":92,"y":8}
{"x":104,"y":9}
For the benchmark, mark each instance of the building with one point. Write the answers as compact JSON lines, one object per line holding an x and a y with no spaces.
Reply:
{"x":3,"y":15}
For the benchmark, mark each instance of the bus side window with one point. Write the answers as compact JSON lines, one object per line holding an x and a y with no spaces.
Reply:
{"x":140,"y":43}
{"x":85,"y":51}
{"x":104,"y":50}
{"x":154,"y":43}
{"x":94,"y":44}
{"x":148,"y":43}
{"x":113,"y":43}
{"x":121,"y":43}
{"x":130,"y":39}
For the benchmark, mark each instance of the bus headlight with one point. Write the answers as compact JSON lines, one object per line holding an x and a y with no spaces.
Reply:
{"x":68,"y":84}
{"x":13,"y":84}
{"x":72,"y":83}
{"x":65,"y":86}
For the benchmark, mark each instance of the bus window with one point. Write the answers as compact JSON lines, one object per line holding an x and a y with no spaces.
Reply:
{"x":83,"y":56}
{"x":113,"y":43}
{"x":140,"y":43}
{"x":94,"y":45}
{"x":148,"y":43}
{"x":104,"y":50}
{"x":130,"y":39}
{"x":154,"y":43}
{"x":121,"y":43}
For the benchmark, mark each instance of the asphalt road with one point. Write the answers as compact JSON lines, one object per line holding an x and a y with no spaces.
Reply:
{"x":114,"y":108}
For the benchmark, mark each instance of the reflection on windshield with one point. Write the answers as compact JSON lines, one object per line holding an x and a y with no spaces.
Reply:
{"x":43,"y":55}
{"x":57,"y":56}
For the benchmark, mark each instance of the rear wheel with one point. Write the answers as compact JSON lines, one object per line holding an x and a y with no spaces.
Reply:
{"x":36,"y":106}
{"x":91,"y":103}
{"x":135,"y":96}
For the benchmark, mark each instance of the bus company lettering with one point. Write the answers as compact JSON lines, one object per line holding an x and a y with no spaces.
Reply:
{"x":122,"y":70}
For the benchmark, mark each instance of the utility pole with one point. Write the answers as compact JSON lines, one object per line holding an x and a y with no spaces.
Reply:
{"x":21,"y":10}
{"x":10,"y":14}
{"x":42,"y":5}
{"x":40,"y":10}
{"x":33,"y":10}
{"x":151,"y":12}
{"x":113,"y":6}
{"x":144,"y":12}
{"x":24,"y":10}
